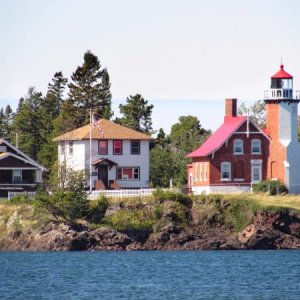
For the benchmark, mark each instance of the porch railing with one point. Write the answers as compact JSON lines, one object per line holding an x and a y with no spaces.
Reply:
{"x":123,"y":193}
{"x":28,"y":194}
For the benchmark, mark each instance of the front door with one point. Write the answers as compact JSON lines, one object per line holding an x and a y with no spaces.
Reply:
{"x":103,"y":174}
{"x":256,"y":172}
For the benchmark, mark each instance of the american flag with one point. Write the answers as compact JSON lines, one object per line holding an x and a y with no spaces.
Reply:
{"x":96,"y":124}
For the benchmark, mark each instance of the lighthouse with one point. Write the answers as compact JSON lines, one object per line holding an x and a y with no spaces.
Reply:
{"x":282,"y":127}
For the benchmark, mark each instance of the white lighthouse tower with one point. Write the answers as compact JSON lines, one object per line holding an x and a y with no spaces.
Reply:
{"x":282,"y":127}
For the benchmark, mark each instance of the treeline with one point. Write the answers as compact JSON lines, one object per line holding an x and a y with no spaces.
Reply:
{"x":65,"y":106}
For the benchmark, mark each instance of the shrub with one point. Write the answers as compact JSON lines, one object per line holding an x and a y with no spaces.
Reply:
{"x":97,"y":209}
{"x":20,"y":199}
{"x":161,"y":196}
{"x":132,"y":219}
{"x":273,"y":187}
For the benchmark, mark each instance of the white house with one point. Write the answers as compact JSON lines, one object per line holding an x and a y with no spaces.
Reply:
{"x":119,"y":156}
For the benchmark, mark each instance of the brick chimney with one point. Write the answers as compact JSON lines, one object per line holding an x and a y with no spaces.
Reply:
{"x":230,"y":107}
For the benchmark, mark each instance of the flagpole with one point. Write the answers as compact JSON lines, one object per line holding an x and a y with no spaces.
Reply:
{"x":91,"y":151}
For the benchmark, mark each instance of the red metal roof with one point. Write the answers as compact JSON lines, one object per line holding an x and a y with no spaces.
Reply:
{"x":219,"y":137}
{"x":281,"y":74}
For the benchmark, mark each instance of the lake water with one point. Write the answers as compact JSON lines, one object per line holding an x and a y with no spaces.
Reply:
{"x":150,"y":275}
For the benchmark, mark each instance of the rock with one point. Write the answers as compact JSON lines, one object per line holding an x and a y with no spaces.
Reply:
{"x":246,"y":234}
{"x":109,"y":239}
{"x":232,"y":243}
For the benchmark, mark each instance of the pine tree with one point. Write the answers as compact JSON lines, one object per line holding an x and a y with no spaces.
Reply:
{"x":54,"y":97}
{"x":2,"y":131}
{"x":89,"y":89}
{"x":28,"y":123}
{"x":50,"y":110}
{"x":6,"y":122}
{"x":136,"y":114}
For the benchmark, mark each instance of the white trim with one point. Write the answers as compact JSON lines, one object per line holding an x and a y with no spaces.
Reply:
{"x":234,"y":146}
{"x":13,"y":168}
{"x":17,"y":157}
{"x":205,"y":171}
{"x":227,"y":163}
{"x":256,"y":163}
{"x":23,"y":154}
{"x":236,"y":132}
{"x":200,"y":171}
{"x":256,"y":153}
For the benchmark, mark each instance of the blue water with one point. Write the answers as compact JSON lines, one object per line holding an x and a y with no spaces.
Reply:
{"x":150,"y":275}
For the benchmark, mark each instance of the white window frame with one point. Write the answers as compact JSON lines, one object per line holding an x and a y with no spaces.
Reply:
{"x":256,"y":163}
{"x":71,"y":149}
{"x":223,"y":165}
{"x":234,"y":146}
{"x":200,"y":172}
{"x":205,"y":171}
{"x":18,"y":175}
{"x":62,"y":149}
{"x":125,"y":176}
{"x":252,"y":146}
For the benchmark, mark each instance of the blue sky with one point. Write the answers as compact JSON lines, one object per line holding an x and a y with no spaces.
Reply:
{"x":185,"y":57}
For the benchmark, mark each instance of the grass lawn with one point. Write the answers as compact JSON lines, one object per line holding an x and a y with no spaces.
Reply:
{"x":289,"y":201}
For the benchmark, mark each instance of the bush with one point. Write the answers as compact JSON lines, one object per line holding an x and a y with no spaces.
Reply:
{"x":20,"y":199}
{"x":97,"y":209}
{"x":161,"y":196}
{"x":132,"y":219}
{"x":68,"y":205}
{"x":273,"y":187}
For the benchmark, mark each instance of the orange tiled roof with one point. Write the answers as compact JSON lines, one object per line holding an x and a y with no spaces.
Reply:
{"x":111,"y":131}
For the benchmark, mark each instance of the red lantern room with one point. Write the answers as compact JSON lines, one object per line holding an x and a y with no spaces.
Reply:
{"x":281,"y":86}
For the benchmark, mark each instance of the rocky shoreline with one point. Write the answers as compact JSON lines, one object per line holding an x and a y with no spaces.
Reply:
{"x":268,"y":230}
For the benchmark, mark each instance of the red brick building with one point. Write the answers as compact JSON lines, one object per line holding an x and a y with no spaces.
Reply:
{"x":240,"y":153}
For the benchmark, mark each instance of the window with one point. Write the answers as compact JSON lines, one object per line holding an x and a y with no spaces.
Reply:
{"x":62,"y":149}
{"x":238,"y":147}
{"x":135,"y":147}
{"x":225,"y":171}
{"x":128,"y":173}
{"x":256,"y":172}
{"x":205,"y":171}
{"x":200,"y":172}
{"x":71,"y":148}
{"x":256,"y":146}
{"x":118,"y":147}
{"x":102,"y":147}
{"x":16,"y":176}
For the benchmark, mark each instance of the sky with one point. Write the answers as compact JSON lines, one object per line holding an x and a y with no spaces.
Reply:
{"x":185,"y":57}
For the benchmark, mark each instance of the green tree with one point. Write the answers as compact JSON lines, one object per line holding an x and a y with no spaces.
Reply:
{"x":50,"y":110}
{"x":257,"y":112}
{"x":187,"y":134}
{"x":68,"y":202}
{"x":6,"y":122}
{"x":136,"y":114}
{"x":89,"y":89}
{"x":28,"y":123}
{"x":162,"y":140}
{"x":54,"y":98}
{"x":162,"y":167}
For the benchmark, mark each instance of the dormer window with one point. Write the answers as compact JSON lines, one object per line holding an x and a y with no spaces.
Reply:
{"x":238,"y":147}
{"x":256,"y":146}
